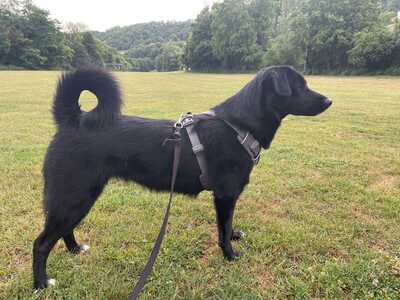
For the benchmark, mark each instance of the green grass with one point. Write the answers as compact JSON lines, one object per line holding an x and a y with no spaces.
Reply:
{"x":322,"y":211}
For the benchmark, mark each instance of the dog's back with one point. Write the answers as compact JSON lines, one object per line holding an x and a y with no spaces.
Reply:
{"x":91,"y":147}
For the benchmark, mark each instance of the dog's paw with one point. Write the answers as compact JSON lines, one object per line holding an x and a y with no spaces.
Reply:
{"x":84,"y":248}
{"x":237,"y":235}
{"x":233,"y":256}
{"x":80,"y":249}
{"x":51,"y":282}
{"x":44,"y":284}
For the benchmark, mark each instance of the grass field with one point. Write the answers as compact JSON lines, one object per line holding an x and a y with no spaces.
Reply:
{"x":321,"y":214}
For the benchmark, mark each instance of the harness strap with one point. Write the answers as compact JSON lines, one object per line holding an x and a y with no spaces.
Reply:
{"x":198,"y":150}
{"x":246,"y":139}
{"x":249,"y":143}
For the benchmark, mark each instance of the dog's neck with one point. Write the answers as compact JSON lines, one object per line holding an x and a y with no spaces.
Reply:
{"x":245,"y":110}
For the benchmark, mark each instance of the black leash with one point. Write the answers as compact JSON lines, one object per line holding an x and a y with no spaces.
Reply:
{"x":176,"y":139}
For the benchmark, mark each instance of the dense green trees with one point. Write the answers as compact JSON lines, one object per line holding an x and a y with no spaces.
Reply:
{"x":234,"y":36}
{"x":30,"y":39}
{"x":150,"y":46}
{"x":128,"y":37}
{"x":158,"y":56}
{"x":199,"y":53}
{"x":326,"y":30}
{"x":318,"y":36}
{"x":170,"y":58}
{"x":226,"y":38}
{"x":373,"y":49}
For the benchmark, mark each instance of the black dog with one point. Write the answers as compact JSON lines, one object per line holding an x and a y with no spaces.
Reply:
{"x":89,"y":148}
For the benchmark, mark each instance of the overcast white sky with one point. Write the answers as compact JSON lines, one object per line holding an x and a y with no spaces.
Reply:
{"x":101,"y":15}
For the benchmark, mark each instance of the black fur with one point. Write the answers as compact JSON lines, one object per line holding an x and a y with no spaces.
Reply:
{"x":90,"y":148}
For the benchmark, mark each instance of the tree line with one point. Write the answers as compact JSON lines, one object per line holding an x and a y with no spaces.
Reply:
{"x":316,"y":36}
{"x":30,"y":39}
{"x":150,"y":46}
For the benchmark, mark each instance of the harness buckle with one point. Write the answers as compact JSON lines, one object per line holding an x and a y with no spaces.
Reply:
{"x":184,"y":120}
{"x":251,"y":145}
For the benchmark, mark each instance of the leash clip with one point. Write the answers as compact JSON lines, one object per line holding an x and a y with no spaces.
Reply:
{"x":183,"y":121}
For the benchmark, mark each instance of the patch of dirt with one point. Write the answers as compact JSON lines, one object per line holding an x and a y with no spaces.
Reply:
{"x":381,"y":248}
{"x":211,"y":247}
{"x":396,"y":268}
{"x":364,"y":217}
{"x":386,"y":183}
{"x":264,"y":208}
{"x":335,"y":253}
{"x":19,"y":258}
{"x":263,"y":279}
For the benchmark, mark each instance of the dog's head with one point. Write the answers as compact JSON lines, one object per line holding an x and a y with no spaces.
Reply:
{"x":286,"y":92}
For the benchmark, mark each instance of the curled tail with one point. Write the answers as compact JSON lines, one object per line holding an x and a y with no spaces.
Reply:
{"x":66,"y":108}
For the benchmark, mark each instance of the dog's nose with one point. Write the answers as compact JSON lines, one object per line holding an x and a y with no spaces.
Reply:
{"x":327,"y":102}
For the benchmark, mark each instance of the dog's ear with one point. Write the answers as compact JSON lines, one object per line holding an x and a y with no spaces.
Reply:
{"x":281,"y":84}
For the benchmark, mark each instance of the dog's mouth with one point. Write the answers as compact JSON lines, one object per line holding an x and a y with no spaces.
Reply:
{"x":319,"y":107}
{"x":325,"y":105}
{"x":315,"y":108}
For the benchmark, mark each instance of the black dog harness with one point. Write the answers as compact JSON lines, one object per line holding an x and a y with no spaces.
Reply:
{"x":187,"y":121}
{"x":245,"y":138}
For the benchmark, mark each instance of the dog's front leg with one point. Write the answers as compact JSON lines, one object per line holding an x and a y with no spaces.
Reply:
{"x":225,"y":207}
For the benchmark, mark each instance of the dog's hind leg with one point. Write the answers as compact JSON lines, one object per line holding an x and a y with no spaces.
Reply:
{"x":41,"y":249}
{"x":72,"y":245}
{"x":57,"y":226}
{"x":59,"y":223}
{"x":93,"y":193}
